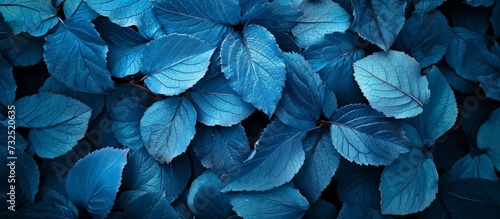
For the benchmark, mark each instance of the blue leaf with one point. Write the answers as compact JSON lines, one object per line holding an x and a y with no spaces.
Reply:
{"x":246,"y":5}
{"x":319,"y":18}
{"x":332,"y":57}
{"x":277,"y":157}
{"x":436,"y":210}
{"x":122,"y":92}
{"x":100,"y":132}
{"x":322,"y":210}
{"x":256,"y":58}
{"x":476,"y":3}
{"x":475,"y":19}
{"x":127,"y":197}
{"x":174,"y":63}
{"x":495,"y":20}
{"x":410,"y":184}
{"x":21,"y":143}
{"x":22,"y":49}
{"x":99,"y":176}
{"x":7,"y":84}
{"x":76,"y":56}
{"x":427,"y":6}
{"x":151,"y":205}
{"x":122,"y":12}
{"x":22,"y":173}
{"x":221,"y":149}
{"x":282,"y":202}
{"x":379,"y":21}
{"x":448,"y":151}
{"x":94,"y":101}
{"x":205,"y":19}
{"x":78,"y":8}
{"x":57,"y":122}
{"x":392,"y":83}
{"x":278,"y":16}
{"x":126,"y":48}
{"x":425,"y":45}
{"x":358,"y":185}
{"x":167,"y":127}
{"x":319,"y":167}
{"x":125,"y":118}
{"x":303,"y":96}
{"x":350,"y":211}
{"x":475,"y":112}
{"x":33,"y":16}
{"x":149,"y":26}
{"x":330,"y":104}
{"x":218,"y":104}
{"x":471,"y":167}
{"x":415,"y":140}
{"x":440,"y":113}
{"x":205,"y":199}
{"x":456,"y":82}
{"x":365,"y":136}
{"x":464,"y":53}
{"x":488,"y":140}
{"x":52,"y":205}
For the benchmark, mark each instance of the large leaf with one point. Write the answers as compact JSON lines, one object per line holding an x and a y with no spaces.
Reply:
{"x":320,"y":18}
{"x":33,"y":16}
{"x":365,"y":136}
{"x":392,"y":83}
{"x":282,"y":202}
{"x":255,"y":56}
{"x":57,"y":122}
{"x":7,"y":84}
{"x":379,"y":21}
{"x":205,"y":199}
{"x":76,"y":56}
{"x":277,"y":157}
{"x":122,"y":12}
{"x":174,"y":63}
{"x":488,"y":139}
{"x":94,"y":180}
{"x":410,"y":184}
{"x":167,"y":127}
{"x":125,"y":122}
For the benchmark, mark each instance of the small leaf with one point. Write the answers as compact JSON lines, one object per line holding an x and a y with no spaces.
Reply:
{"x":99,"y":176}
{"x":33,"y":16}
{"x":125,"y":122}
{"x":205,"y":199}
{"x":392,"y":83}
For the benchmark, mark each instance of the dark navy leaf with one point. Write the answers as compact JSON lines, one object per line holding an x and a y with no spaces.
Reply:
{"x":52,"y":205}
{"x":448,"y":151}
{"x":426,"y":46}
{"x":440,"y":113}
{"x":426,"y":6}
{"x":22,"y":49}
{"x":21,"y":143}
{"x":392,"y":83}
{"x":22,"y":173}
{"x":221,"y":148}
{"x":495,"y":20}
{"x":365,"y":136}
{"x":151,"y":205}
{"x":205,"y":199}
{"x":379,"y":21}
{"x":99,"y":176}
{"x":476,"y":3}
{"x":471,"y":167}
{"x":278,"y":16}
{"x":458,"y":83}
{"x":470,"y":198}
{"x":320,"y":18}
{"x":76,"y":56}
{"x":205,"y":19}
{"x":78,"y":8}
{"x":436,"y":210}
{"x":57,"y":122}
{"x":218,"y":104}
{"x":122,"y":92}
{"x":322,"y":209}
{"x":167,"y":127}
{"x":319,"y":166}
{"x":350,"y":211}
{"x":33,"y":16}
{"x":488,"y":139}
{"x":7,"y":84}
{"x":122,"y":12}
{"x":277,"y":157}
{"x":255,"y":56}
{"x":127,"y":197}
{"x":332,"y":57}
{"x":125,"y":117}
{"x":282,"y":202}
{"x":464,"y":53}
{"x":358,"y":184}
{"x":475,"y":112}
{"x":475,"y":19}
{"x":303,"y":95}
{"x":172,"y":65}
{"x":100,"y":132}
{"x":246,"y":5}
{"x":330,"y":104}
{"x":410,"y":184}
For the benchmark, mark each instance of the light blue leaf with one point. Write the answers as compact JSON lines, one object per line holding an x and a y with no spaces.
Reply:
{"x":475,"y":19}
{"x":456,"y":82}
{"x":126,"y":48}
{"x":319,"y":166}
{"x":22,"y":49}
{"x":167,"y":127}
{"x":205,"y":199}
{"x":33,"y":16}
{"x":94,"y":101}
{"x":427,"y":6}
{"x":125,"y":118}
{"x":218,"y":104}
{"x":174,"y":63}
{"x":425,"y":45}
{"x":303,"y":96}
{"x":358,"y":184}
{"x":149,"y":26}
{"x":76,"y":56}
{"x":365,"y":136}
{"x":488,"y":140}
{"x":78,"y":8}
{"x":57,"y":122}
{"x":99,"y":175}
{"x":392,"y":83}
{"x":320,"y":18}
{"x":410,"y":184}
{"x":122,"y":12}
{"x":322,"y":210}
{"x":277,"y":157}
{"x":440,"y":113}
{"x":7,"y":84}
{"x":379,"y":21}
{"x":280,"y":203}
{"x":256,"y":58}
{"x":476,"y":3}
{"x":350,"y":211}
{"x":471,"y":167}
{"x":332,"y":57}
{"x":205,"y":19}
{"x":221,"y":149}
{"x":278,"y":16}
{"x":151,"y":205}
{"x":495,"y":20}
